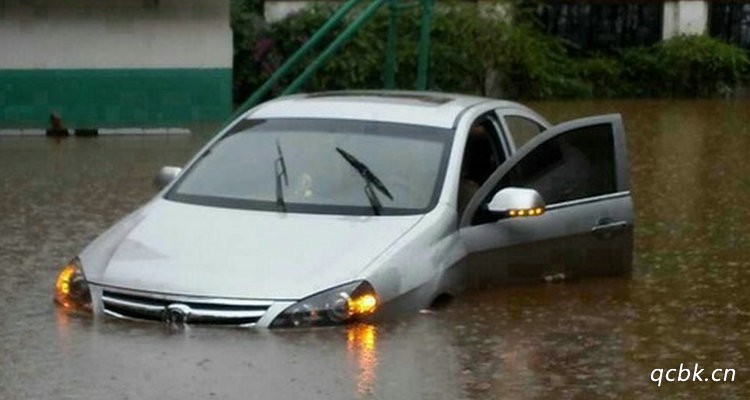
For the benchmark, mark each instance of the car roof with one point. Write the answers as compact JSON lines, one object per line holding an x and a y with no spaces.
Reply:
{"x":417,"y":108}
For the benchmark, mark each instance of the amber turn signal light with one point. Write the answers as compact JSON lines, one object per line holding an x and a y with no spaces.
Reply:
{"x":526,"y":212}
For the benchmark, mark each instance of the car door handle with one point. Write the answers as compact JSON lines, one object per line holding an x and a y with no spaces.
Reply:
{"x":606,"y":228}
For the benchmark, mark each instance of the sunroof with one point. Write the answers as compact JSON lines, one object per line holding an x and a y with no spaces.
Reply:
{"x":423,"y":97}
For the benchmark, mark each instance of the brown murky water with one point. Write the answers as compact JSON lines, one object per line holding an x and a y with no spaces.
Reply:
{"x":688,"y":301}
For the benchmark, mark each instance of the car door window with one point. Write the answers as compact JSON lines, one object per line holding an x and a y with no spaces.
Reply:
{"x":522,"y":129}
{"x":580,"y":168}
{"x":482,"y":155}
{"x":576,"y":164}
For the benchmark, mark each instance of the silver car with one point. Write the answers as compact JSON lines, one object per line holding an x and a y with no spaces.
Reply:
{"x":327,"y":208}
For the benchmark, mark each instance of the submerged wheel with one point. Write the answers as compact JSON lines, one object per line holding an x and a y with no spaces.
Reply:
{"x":441,"y":301}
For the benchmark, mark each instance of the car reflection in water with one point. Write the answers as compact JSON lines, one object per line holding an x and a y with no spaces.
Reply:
{"x":361,"y":342}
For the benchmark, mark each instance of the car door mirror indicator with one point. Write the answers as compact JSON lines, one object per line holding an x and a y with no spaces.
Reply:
{"x":530,"y":212}
{"x":517,"y":202}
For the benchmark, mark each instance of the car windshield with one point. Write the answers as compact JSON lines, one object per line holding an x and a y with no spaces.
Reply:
{"x":320,"y":166}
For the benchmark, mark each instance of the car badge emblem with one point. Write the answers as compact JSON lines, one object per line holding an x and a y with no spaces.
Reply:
{"x":176,"y":314}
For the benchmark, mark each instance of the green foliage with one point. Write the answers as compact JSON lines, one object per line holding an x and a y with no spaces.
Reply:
{"x":476,"y":49}
{"x":699,"y":65}
{"x":683,"y":66}
{"x":537,"y":66}
{"x":641,"y":72}
{"x":604,"y":76}
{"x":248,"y":26}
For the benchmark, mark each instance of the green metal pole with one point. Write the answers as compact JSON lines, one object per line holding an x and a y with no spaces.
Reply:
{"x":338,"y":42}
{"x":424,"y":45}
{"x":258,"y":95}
{"x":390,"y":55}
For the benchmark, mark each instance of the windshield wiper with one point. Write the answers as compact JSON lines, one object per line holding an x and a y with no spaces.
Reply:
{"x":370,"y":179}
{"x":279,"y":167}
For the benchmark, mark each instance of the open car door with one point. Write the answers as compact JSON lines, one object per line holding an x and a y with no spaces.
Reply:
{"x":580,"y":170}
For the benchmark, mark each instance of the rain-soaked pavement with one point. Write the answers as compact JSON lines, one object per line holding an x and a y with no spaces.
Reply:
{"x":688,"y":301}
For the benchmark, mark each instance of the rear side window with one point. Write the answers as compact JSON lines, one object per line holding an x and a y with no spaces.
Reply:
{"x":573,"y":165}
{"x":522,"y":129}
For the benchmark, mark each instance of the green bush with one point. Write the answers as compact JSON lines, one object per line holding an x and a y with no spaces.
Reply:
{"x":603,"y":75}
{"x":642,"y":73}
{"x":537,"y":66}
{"x":248,"y":26}
{"x":472,"y":52}
{"x":692,"y":66}
{"x":477,"y":50}
{"x":699,"y":65}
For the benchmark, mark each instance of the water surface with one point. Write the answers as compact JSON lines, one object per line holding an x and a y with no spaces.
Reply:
{"x":687,"y":302}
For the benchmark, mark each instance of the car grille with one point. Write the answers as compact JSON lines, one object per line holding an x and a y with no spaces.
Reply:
{"x":183,"y":309}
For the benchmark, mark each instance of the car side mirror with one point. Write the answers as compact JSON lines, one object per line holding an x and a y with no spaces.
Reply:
{"x":517,"y":202}
{"x":165,"y":176}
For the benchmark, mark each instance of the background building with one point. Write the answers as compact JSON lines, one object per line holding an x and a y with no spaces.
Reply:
{"x":603,"y":24}
{"x":617,"y":23}
{"x":115,"y":63}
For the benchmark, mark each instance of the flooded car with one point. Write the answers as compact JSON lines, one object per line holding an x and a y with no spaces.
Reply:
{"x":327,"y":208}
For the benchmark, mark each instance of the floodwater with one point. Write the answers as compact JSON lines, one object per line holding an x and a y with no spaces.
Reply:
{"x":688,"y":301}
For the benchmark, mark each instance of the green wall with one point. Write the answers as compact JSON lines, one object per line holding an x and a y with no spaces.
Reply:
{"x":110,"y":98}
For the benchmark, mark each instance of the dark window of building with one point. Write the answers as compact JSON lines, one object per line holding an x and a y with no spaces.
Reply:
{"x":731,"y":21}
{"x":601,"y":26}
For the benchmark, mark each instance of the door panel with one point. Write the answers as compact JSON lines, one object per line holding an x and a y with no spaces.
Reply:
{"x":580,"y":169}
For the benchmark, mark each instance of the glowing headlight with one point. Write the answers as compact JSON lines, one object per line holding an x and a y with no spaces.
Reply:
{"x":335,"y":306}
{"x":71,"y":289}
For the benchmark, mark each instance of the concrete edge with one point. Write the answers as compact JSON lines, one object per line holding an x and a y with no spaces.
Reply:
{"x":22,"y":132}
{"x":104,"y":131}
{"x":144,"y":131}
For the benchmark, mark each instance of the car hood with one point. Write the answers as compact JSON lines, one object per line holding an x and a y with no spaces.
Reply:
{"x":179,"y":248}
